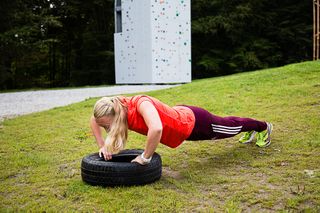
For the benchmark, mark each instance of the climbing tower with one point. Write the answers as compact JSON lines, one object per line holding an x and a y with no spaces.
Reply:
{"x":152,"y":41}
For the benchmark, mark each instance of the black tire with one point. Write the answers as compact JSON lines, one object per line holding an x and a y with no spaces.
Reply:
{"x":119,"y":171}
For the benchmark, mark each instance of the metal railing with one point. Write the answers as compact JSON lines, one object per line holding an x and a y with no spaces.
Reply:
{"x":316,"y":34}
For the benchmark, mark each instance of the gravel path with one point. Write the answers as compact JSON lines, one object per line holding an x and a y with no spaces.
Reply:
{"x":18,"y":103}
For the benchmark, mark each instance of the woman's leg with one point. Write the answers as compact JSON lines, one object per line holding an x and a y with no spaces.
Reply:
{"x":225,"y":127}
{"x":209,"y":126}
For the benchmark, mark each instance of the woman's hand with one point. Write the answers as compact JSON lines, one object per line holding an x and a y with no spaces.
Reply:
{"x":139,"y":160}
{"x":106,"y":155}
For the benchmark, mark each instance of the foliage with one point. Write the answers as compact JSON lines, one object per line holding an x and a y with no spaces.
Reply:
{"x":55,"y":43}
{"x":249,"y":35}
{"x":40,"y":167}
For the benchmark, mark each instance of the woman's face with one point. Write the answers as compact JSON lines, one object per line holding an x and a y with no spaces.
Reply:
{"x":105,"y":122}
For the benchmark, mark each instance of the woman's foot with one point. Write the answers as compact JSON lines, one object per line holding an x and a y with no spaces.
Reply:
{"x":247,"y":137}
{"x":263,"y":138}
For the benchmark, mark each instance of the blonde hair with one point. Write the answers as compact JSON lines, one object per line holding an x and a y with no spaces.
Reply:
{"x":117,"y":136}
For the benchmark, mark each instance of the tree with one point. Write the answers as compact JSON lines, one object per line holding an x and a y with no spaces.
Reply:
{"x":56,"y":43}
{"x":235,"y":36}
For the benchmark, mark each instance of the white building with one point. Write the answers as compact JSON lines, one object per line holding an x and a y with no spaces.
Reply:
{"x":152,"y":42}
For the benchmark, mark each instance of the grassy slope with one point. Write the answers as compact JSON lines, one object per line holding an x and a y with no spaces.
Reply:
{"x":40,"y":154}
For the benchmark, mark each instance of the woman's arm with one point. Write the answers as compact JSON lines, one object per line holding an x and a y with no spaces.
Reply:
{"x":154,"y":124}
{"x":96,"y":130}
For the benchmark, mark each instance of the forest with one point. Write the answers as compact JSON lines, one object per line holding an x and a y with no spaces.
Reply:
{"x":62,"y":43}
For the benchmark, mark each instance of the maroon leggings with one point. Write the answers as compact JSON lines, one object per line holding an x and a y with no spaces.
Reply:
{"x":208,"y":126}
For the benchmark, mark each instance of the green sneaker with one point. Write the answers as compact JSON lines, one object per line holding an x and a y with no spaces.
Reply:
{"x":247,"y":137}
{"x":263,"y":138}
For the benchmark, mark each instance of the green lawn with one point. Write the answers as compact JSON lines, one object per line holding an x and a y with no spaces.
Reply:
{"x":40,"y":154}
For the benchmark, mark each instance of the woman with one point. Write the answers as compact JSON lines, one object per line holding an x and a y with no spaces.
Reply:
{"x":168,"y":125}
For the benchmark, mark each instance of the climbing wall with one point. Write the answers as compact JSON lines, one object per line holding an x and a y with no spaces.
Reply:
{"x":154,"y":43}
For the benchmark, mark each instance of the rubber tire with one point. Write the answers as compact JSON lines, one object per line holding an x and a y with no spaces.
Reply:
{"x":120,"y":171}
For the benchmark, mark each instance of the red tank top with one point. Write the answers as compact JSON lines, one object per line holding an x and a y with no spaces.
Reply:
{"x":177,"y":121}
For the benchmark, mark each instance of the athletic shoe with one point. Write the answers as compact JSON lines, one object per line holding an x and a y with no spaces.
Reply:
{"x":247,"y":137}
{"x":263,"y":138}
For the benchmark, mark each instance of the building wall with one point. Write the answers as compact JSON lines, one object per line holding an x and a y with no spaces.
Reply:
{"x":155,"y":43}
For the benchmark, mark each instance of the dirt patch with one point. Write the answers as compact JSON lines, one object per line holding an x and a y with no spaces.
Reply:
{"x":68,"y":170}
{"x":168,"y":172}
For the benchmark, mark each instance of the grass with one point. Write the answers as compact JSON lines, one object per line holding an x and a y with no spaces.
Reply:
{"x":40,"y":153}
